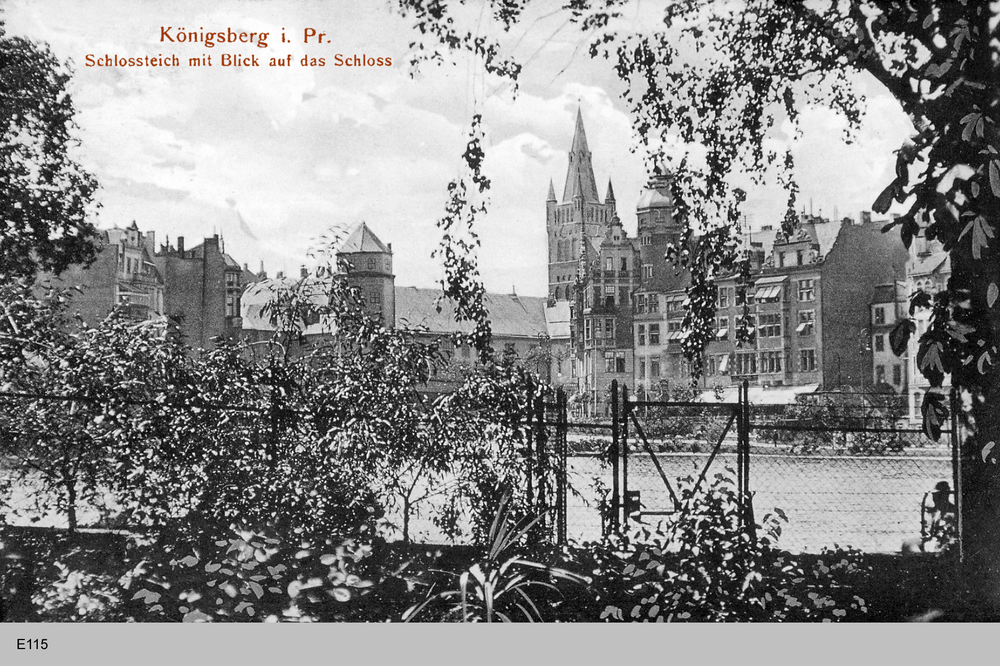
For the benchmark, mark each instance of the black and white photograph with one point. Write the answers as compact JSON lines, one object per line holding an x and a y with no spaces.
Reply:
{"x":498,"y":311}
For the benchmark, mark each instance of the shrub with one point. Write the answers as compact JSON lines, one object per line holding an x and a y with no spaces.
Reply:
{"x":705,"y":567}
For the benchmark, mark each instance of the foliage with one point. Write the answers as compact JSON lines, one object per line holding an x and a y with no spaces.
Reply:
{"x":46,"y":197}
{"x":500,"y":585}
{"x":705,"y":567}
{"x":842,"y":423}
{"x":254,"y":575}
{"x":715,"y":81}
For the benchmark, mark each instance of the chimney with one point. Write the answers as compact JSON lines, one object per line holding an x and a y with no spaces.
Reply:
{"x":245,"y":267}
{"x":280,"y":275}
{"x":866,"y":217}
{"x":303,"y":273}
{"x":180,"y":245}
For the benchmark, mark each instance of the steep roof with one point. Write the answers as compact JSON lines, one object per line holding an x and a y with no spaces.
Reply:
{"x":580,"y":175}
{"x":362,"y":239}
{"x":510,"y":315}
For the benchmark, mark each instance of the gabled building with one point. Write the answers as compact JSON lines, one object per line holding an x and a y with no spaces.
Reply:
{"x":123,"y":274}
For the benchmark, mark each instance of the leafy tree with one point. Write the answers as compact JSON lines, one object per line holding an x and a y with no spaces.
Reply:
{"x":45,"y":196}
{"x":718,"y":76}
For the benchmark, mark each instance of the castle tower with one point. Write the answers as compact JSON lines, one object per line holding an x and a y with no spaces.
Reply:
{"x":370,"y":271}
{"x":580,"y":215}
{"x":656,"y":230}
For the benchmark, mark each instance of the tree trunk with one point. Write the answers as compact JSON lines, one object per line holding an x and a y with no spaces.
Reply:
{"x":980,"y":455}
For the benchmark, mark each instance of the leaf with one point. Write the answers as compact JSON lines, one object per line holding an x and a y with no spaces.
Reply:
{"x":884,"y":200}
{"x":995,"y":178}
{"x":934,"y":413}
{"x":899,"y":338}
{"x":929,"y":360}
{"x":991,"y":294}
{"x":981,"y":233}
{"x":986,"y":451}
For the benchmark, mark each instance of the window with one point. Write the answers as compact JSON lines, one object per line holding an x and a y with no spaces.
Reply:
{"x":232,"y":280}
{"x":781,"y":259}
{"x":646,"y":240}
{"x":770,"y":361}
{"x":770,"y":325}
{"x":879,"y":343}
{"x":640,"y":304}
{"x":653,"y":303}
{"x":807,"y":322}
{"x":642,"y":368}
{"x":609,"y":329}
{"x":609,"y":264}
{"x":654,"y":334}
{"x":807,"y":290}
{"x":371,"y":263}
{"x":746,"y":364}
{"x":588,"y":330}
{"x":642,"y":334}
{"x":722,"y":297}
{"x":232,"y":306}
{"x":388,"y":265}
{"x":674,"y":329}
{"x":722,"y":329}
{"x":879,"y":374}
{"x":375,"y":299}
{"x":798,"y":257}
{"x":624,"y":264}
{"x":647,"y":271}
{"x":609,"y":362}
{"x":879,"y":315}
{"x":897,"y":374}
{"x":620,"y":362}
{"x":654,"y":368}
{"x":807,"y":360}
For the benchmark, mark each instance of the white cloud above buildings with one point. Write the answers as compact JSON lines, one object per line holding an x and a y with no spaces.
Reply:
{"x":297,"y":150}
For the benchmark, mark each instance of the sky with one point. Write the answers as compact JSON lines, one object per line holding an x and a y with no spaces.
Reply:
{"x":271,"y":158}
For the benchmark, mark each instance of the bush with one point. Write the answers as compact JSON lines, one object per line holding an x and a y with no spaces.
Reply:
{"x":704,"y":567}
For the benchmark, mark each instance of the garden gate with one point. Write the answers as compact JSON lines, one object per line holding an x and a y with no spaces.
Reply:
{"x":658,"y":440}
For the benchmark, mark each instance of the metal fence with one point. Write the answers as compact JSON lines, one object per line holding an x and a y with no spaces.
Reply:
{"x":842,"y":470}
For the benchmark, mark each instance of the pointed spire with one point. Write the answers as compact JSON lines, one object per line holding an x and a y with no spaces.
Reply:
{"x":610,"y":196}
{"x":580,"y":175}
{"x":552,"y":191}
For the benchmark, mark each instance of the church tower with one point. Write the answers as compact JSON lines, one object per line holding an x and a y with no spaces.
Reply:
{"x":577,"y":217}
{"x":370,"y":271}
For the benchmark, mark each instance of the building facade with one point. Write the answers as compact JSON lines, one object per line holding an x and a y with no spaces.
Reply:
{"x":806,"y":316}
{"x":928,"y":269}
{"x":204,"y":286}
{"x":123,"y":274}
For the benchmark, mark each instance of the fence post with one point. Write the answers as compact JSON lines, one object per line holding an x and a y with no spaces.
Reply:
{"x":541,"y":462}
{"x":529,"y":468}
{"x":613,"y":454}
{"x":626,"y":412}
{"x":562,"y":450}
{"x":749,"y":520}
{"x":956,"y":470}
